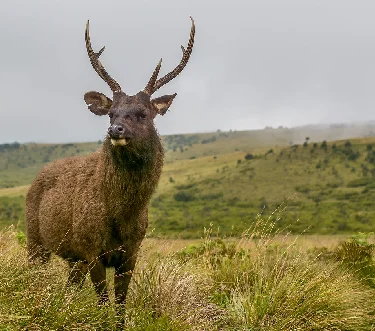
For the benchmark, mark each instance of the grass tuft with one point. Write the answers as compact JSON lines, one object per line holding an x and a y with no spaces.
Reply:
{"x":263,"y":281}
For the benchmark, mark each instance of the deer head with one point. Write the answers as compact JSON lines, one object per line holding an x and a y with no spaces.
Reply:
{"x":131,"y":117}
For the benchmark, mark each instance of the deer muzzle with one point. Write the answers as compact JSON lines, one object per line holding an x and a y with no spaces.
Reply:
{"x":117,"y":134}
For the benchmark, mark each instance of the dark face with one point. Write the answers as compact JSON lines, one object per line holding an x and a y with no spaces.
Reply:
{"x":131,"y":117}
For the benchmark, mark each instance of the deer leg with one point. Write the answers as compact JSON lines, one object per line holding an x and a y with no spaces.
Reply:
{"x":98,"y":278}
{"x":123,"y":275}
{"x":78,"y":271}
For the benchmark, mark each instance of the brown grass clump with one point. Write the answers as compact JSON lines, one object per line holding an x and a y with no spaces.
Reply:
{"x":167,"y":286}
{"x":276,"y":285}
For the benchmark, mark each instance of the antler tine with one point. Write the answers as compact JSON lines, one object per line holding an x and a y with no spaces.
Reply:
{"x":176,"y":71}
{"x":150,"y":85}
{"x":96,"y":64}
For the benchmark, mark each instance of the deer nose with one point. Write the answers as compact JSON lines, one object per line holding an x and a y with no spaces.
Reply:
{"x":115,"y":130}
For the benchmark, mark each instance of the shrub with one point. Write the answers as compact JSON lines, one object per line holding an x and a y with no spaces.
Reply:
{"x":303,"y":189}
{"x":359,"y":182}
{"x":352,"y":156}
{"x":357,"y":254}
{"x":274,"y":286}
{"x":184,"y":196}
{"x":249,"y":156}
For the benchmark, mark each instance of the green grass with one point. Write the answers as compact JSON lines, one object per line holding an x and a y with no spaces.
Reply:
{"x":259,"y":282}
{"x":338,"y":196}
{"x":328,"y":188}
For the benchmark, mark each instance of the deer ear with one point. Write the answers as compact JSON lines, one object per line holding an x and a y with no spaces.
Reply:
{"x":98,"y":103}
{"x":162,"y":103}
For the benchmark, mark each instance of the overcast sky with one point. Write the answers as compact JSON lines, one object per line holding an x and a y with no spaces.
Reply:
{"x":255,"y":63}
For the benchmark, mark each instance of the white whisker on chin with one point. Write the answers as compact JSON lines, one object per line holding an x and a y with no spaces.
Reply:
{"x":118,"y":142}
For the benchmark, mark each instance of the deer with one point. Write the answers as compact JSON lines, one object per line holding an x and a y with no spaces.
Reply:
{"x":92,"y":210}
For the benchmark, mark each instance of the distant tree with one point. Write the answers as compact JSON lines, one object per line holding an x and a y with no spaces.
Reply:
{"x":324,"y":144}
{"x":16,"y":145}
{"x":353,"y":156}
{"x":348,"y":143}
{"x":249,"y":156}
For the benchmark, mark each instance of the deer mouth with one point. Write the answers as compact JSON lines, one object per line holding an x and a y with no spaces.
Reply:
{"x":118,"y":141}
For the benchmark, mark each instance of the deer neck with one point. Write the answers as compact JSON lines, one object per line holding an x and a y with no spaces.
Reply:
{"x":131,"y":174}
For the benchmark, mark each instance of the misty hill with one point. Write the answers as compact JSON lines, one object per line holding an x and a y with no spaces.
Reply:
{"x":19,"y":163}
{"x":228,"y":178}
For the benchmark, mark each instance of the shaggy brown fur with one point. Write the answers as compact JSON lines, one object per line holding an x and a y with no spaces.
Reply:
{"x":92,"y":210}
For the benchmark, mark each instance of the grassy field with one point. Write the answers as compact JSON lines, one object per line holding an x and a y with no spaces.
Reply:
{"x":325,"y":187}
{"x":260,"y":282}
{"x":251,"y":230}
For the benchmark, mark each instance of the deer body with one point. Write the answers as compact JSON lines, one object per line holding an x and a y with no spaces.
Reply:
{"x":92,"y":210}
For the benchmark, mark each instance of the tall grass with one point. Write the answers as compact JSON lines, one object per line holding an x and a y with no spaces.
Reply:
{"x":162,"y":296}
{"x":267,"y":282}
{"x":261,"y":282}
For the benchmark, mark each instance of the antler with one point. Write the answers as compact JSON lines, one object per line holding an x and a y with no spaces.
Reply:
{"x":153,"y":86}
{"x":96,"y":64}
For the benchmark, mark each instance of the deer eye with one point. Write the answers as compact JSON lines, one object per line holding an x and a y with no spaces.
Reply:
{"x":141,"y":116}
{"x":110,"y":115}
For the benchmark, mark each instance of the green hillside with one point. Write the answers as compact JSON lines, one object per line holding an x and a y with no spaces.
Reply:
{"x":227,"y":178}
{"x":19,"y":163}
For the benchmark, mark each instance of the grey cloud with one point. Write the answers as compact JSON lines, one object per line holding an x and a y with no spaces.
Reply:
{"x":255,"y":63}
